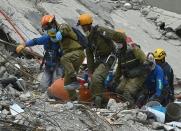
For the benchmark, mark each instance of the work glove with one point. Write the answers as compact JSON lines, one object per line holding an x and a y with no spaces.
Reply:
{"x":59,"y":36}
{"x":20,"y":48}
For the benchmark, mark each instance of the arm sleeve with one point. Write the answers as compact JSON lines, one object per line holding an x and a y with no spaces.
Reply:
{"x":139,"y":54}
{"x":90,"y":59}
{"x":38,"y":41}
{"x":112,"y":35}
{"x":159,"y":83}
{"x":170,"y":77}
{"x":67,"y":31}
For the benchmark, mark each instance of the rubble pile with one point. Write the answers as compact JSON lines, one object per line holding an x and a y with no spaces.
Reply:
{"x":23,"y":107}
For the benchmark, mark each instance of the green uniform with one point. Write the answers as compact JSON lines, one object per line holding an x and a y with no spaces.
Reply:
{"x":73,"y":55}
{"x":101,"y":40}
{"x":130,"y":66}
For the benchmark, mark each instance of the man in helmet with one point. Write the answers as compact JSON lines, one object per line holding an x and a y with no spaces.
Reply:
{"x":101,"y":42}
{"x":130,"y":73}
{"x":159,"y":55}
{"x":52,"y":51}
{"x":73,"y":54}
{"x":155,"y":84}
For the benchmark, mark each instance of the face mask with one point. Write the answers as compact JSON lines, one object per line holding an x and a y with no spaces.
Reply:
{"x":57,"y":38}
{"x":51,"y":32}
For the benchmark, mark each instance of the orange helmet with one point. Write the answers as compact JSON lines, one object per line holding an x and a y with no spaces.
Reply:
{"x":85,"y":19}
{"x":121,"y":31}
{"x":46,"y":19}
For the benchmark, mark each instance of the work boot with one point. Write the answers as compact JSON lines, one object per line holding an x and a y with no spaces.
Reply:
{"x":98,"y":101}
{"x":72,"y":86}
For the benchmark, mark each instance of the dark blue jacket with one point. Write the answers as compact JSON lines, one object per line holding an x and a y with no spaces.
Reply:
{"x":48,"y":45}
{"x":168,"y":72}
{"x":155,"y":81}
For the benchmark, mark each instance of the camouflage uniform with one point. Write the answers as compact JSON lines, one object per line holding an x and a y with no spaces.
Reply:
{"x":131,"y":69}
{"x":73,"y":55}
{"x":101,"y":40}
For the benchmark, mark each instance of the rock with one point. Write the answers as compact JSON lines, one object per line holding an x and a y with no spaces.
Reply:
{"x":2,"y":71}
{"x":40,"y":129}
{"x":134,"y":1}
{"x":21,"y":84}
{"x":5,"y":112}
{"x":145,"y":11}
{"x":157,"y":125}
{"x":171,"y":35}
{"x":1,"y":107}
{"x":140,"y":1}
{"x":25,"y":96}
{"x":50,"y":128}
{"x":114,"y":106}
{"x":5,"y":103}
{"x":12,"y":91}
{"x":152,"y":16}
{"x":168,"y":128}
{"x":136,"y":7}
{"x":18,"y":117}
{"x":69,"y":105}
{"x":141,"y":116}
{"x":127,"y":6}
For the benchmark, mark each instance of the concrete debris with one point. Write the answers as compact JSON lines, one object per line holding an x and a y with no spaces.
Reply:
{"x":171,"y":35}
{"x":25,"y":96}
{"x":145,"y":11}
{"x":127,"y":5}
{"x":69,"y":105}
{"x":5,"y":112}
{"x":141,"y":116}
{"x":114,"y":106}
{"x":34,"y":110}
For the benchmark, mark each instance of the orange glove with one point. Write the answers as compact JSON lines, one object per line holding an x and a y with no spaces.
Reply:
{"x":19,"y":48}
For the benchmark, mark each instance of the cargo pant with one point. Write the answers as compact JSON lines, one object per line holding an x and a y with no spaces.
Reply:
{"x":97,"y":82}
{"x":129,"y":87}
{"x":49,"y":76}
{"x":71,"y":62}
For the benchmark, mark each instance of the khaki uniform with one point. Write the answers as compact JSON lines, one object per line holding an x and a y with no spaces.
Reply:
{"x":101,"y":40}
{"x":130,"y":68}
{"x":73,"y":55}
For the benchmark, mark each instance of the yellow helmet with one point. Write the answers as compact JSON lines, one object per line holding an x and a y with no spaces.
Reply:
{"x":85,"y":19}
{"x":159,"y":54}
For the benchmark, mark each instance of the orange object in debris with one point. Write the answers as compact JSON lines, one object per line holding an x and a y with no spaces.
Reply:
{"x":84,"y":93}
{"x":107,"y":94}
{"x":57,"y":90}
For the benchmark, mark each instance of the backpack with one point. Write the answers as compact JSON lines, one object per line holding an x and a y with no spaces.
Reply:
{"x":83,"y":41}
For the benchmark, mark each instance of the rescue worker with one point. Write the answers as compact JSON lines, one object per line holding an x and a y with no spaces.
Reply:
{"x":52,"y":54}
{"x":159,"y":55}
{"x":73,"y":54}
{"x":156,"y":86}
{"x":130,"y":73}
{"x":101,"y":42}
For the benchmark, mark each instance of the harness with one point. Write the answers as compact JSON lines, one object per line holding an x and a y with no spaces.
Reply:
{"x":129,"y":62}
{"x":50,"y":58}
